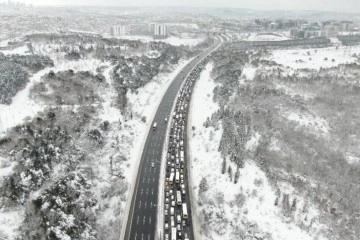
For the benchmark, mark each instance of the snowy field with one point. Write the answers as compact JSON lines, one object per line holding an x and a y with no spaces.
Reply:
{"x":23,"y":106}
{"x":315,"y":58}
{"x":23,"y":50}
{"x":175,"y":41}
{"x":222,"y":207}
{"x":265,"y":37}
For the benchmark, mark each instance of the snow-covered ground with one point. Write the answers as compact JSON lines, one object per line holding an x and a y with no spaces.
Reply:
{"x":226,"y":210}
{"x":175,"y":41}
{"x":315,"y":58}
{"x":248,"y":72}
{"x":310,"y":121}
{"x":23,"y":106}
{"x":23,"y":50}
{"x":266,"y":37}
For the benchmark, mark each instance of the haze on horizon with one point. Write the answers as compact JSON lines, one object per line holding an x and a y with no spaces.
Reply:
{"x":350,"y":6}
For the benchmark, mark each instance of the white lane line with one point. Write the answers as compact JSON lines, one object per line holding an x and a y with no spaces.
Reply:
{"x":152,"y":191}
{"x":140,"y":205}
{"x":145,"y":205}
{"x":149,"y":236}
{"x":137,"y":220}
{"x":150,"y":221}
{"x":142,"y":236}
{"x":144,"y":220}
{"x":153,"y":179}
{"x":135,"y":235}
{"x":141,"y":191}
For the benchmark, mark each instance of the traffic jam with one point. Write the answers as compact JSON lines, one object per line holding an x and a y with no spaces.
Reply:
{"x":176,"y":219}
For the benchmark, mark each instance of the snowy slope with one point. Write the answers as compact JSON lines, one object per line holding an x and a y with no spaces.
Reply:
{"x":244,"y":210}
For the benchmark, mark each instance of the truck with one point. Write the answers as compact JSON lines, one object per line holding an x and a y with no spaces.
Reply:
{"x":178,"y":198}
{"x":177,"y":177}
{"x":171,"y":178}
{"x":173,"y":233}
{"x":184,"y":211}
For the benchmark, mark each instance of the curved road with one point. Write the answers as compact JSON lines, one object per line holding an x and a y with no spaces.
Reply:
{"x":141,"y":224}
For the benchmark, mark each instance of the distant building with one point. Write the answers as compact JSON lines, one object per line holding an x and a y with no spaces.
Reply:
{"x":119,"y":30}
{"x":160,"y":31}
{"x":140,"y":29}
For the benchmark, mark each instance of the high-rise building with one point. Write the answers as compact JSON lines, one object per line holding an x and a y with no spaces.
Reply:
{"x":160,"y":31}
{"x":119,"y":30}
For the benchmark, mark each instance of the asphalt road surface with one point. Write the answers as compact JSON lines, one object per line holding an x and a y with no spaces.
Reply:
{"x":141,"y":224}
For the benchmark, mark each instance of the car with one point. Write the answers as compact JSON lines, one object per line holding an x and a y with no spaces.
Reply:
{"x":184,"y":224}
{"x":166,"y":206}
{"x":166,"y":226}
{"x":166,"y":236}
{"x":173,"y":203}
{"x":166,"y":120}
{"x":166,"y":194}
{"x":152,"y":165}
{"x":166,"y":200}
{"x":172,"y":198}
{"x":178,"y":227}
{"x":171,"y":192}
{"x":166,"y":212}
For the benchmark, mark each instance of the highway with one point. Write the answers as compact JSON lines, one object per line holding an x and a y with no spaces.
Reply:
{"x":142,"y":218}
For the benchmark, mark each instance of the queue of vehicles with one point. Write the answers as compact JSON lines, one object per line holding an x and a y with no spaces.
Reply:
{"x":176,"y":208}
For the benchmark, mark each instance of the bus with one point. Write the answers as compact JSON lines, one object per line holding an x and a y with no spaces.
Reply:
{"x":177,"y":177}
{"x":182,"y":156}
{"x":178,"y":198}
{"x":173,"y":233}
{"x":154,"y":125}
{"x":171,"y":178}
{"x":184,"y":211}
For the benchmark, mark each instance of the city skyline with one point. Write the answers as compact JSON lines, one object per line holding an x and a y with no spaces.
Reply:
{"x":350,"y":6}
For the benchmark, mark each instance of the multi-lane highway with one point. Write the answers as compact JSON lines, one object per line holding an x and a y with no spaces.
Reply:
{"x":142,"y":217}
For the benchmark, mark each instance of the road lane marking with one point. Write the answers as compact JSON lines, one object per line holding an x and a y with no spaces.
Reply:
{"x":150,"y":220}
{"x":137,"y":220}
{"x":144,"y":220}
{"x":140,"y":205}
{"x":135,"y":236}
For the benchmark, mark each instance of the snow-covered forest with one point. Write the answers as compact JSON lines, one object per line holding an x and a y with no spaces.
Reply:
{"x":66,"y":168}
{"x":270,"y":158}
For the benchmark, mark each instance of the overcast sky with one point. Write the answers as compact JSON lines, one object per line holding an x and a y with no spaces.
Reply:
{"x":323,"y":5}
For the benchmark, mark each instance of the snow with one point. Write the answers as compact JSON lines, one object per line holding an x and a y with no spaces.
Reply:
{"x":10,"y":222}
{"x":253,"y":142}
{"x":172,"y":40}
{"x":23,"y":106}
{"x":250,"y":202}
{"x":23,"y":50}
{"x":352,"y":159}
{"x":266,"y":37}
{"x":248,"y":72}
{"x":308,"y":120}
{"x":300,"y":58}
{"x":109,"y":111}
